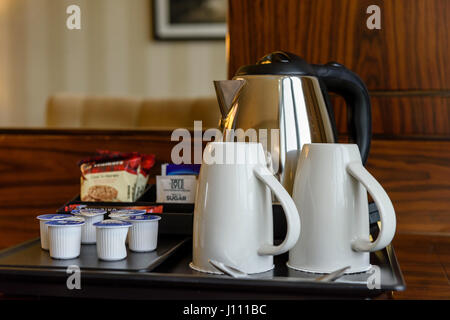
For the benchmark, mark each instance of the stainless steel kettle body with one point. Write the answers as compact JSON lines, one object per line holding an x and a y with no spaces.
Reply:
{"x":289,"y":107}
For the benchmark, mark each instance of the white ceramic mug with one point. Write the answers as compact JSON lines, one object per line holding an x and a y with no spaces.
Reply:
{"x":233,"y":221}
{"x":330,"y":192}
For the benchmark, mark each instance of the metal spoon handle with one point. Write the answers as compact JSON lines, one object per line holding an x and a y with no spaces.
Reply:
{"x":228,"y":270}
{"x":333,"y":275}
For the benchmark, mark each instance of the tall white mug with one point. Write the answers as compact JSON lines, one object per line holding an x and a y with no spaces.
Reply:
{"x":330,"y":192}
{"x":233,"y":221}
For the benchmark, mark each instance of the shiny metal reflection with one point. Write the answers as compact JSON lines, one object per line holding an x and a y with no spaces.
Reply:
{"x":294,"y":105}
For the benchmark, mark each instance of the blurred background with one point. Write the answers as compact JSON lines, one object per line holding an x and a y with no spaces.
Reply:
{"x":113,"y":58}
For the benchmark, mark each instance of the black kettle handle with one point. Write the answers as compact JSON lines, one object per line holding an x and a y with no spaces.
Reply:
{"x":340,"y":80}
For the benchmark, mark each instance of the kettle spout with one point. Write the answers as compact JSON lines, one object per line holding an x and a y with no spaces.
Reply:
{"x":228,"y":92}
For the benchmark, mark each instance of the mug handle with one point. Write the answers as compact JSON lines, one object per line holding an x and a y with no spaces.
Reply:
{"x":384,"y":205}
{"x":289,"y":208}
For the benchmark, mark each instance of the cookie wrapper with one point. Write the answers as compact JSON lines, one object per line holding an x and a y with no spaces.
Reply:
{"x":112,"y":181}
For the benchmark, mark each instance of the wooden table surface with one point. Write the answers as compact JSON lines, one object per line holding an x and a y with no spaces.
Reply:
{"x":38,"y":173}
{"x":425,"y":263}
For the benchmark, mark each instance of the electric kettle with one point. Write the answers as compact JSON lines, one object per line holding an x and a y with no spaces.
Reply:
{"x":288,"y":97}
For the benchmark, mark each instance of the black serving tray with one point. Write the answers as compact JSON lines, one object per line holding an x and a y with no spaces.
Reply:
{"x":286,"y":281}
{"x":30,"y":255}
{"x":173,"y":279}
{"x":27,"y":270}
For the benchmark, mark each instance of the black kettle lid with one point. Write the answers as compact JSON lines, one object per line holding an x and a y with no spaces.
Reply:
{"x":278,"y":63}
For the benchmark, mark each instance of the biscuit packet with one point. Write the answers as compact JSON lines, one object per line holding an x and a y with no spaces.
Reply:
{"x":147,"y":162}
{"x":109,"y":178}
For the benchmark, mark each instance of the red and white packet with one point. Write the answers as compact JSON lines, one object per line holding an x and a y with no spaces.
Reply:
{"x":109,"y":181}
{"x":112,"y":176}
{"x":147,"y":162}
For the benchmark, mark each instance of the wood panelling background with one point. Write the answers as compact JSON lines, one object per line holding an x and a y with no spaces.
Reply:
{"x":416,"y":176}
{"x":402,"y":116}
{"x":39,"y":173}
{"x":405,"y":64}
{"x":410,"y":52}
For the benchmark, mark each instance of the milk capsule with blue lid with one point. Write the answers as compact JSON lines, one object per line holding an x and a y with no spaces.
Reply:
{"x":143,"y":218}
{"x":64,"y":237}
{"x":44,"y":228}
{"x":88,"y":231}
{"x":91,"y":211}
{"x":53,"y":216}
{"x":124,"y":213}
{"x":74,"y":221}
{"x":111,"y":235}
{"x":111,"y":223}
{"x":143,"y":235}
{"x":130,"y":211}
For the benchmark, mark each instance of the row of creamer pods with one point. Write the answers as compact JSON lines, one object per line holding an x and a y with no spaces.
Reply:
{"x":63,"y":234}
{"x":177,"y":183}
